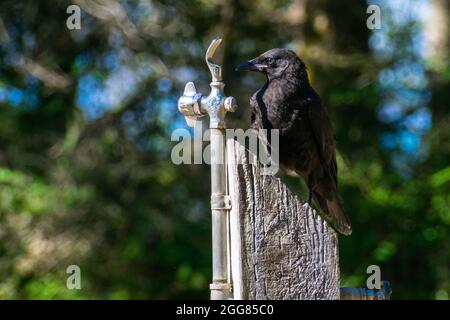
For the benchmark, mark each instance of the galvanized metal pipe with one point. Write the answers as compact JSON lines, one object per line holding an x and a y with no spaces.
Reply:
{"x":220,"y":287}
{"x":194,"y":105}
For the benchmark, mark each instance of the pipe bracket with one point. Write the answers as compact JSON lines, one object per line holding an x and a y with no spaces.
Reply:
{"x":220,"y":202}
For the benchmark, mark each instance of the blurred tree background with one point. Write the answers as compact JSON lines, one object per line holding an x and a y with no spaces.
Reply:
{"x":86,"y":117}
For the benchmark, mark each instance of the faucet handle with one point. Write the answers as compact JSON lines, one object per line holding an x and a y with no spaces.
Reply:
{"x":189,"y":104}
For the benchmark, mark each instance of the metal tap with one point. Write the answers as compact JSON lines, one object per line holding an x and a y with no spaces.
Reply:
{"x":193,"y":104}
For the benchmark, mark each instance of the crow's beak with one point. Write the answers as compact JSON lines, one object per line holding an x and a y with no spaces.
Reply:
{"x":251,"y":66}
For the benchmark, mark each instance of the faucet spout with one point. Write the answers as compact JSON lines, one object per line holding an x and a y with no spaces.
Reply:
{"x":215,"y":69}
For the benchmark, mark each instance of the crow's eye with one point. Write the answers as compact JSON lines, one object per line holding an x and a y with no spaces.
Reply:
{"x":270,"y":61}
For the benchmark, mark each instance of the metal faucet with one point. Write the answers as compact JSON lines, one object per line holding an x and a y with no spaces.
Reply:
{"x":193,"y":105}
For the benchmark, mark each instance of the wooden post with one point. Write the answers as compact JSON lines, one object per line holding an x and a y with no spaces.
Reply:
{"x":280,"y":247}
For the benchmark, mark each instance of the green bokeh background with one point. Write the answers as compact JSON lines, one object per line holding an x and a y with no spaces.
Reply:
{"x":86,"y":117}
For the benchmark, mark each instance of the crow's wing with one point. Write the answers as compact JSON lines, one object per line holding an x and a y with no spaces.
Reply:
{"x":323,"y":133}
{"x":326,"y":194}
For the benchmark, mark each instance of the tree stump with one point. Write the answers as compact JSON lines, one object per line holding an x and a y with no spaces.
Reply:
{"x":280,"y":247}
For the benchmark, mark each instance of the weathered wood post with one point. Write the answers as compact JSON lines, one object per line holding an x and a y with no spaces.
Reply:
{"x":280,"y":247}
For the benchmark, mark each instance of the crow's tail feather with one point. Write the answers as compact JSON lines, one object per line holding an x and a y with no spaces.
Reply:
{"x":334,"y":213}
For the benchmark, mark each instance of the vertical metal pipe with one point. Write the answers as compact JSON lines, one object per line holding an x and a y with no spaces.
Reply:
{"x":194,"y":105}
{"x":220,"y":287}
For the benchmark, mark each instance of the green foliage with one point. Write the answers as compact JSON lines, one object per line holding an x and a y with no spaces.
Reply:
{"x":85,"y":170}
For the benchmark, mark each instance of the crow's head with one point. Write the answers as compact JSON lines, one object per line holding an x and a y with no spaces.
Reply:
{"x":276,"y":63}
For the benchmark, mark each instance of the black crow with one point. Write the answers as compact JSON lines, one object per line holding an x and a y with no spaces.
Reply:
{"x":307,"y":142}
